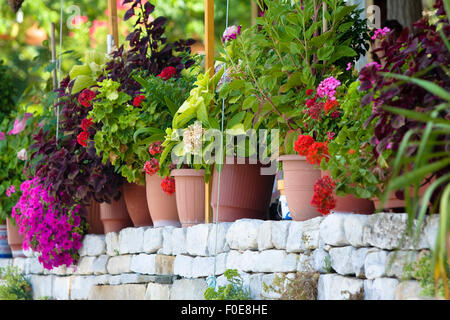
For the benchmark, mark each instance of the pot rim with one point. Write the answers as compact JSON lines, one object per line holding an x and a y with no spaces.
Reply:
{"x":187,"y":173}
{"x":291,"y":157}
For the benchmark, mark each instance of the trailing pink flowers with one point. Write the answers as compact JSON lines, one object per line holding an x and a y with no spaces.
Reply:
{"x":53,"y":233}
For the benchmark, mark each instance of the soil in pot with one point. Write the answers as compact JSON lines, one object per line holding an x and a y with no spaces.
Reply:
{"x":299,"y":179}
{"x":190,"y":195}
{"x":15,"y":239}
{"x":244,"y":191}
{"x":162,"y":207}
{"x":115,"y":216}
{"x":136,"y":202}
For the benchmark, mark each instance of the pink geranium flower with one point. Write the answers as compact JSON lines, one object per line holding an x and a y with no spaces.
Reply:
{"x":19,"y":126}
{"x":2,"y":136}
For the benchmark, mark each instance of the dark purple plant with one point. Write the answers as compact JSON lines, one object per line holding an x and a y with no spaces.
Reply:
{"x":149,"y":50}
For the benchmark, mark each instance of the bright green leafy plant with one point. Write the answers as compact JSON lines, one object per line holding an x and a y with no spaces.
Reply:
{"x":234,"y":290}
{"x":13,"y":285}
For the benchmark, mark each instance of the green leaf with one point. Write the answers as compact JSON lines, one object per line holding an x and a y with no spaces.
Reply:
{"x":82,"y":82}
{"x":325,"y":53}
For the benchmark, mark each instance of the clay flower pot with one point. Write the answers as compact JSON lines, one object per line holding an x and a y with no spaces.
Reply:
{"x":93,"y":218}
{"x":15,"y":239}
{"x":299,"y":179}
{"x":5,"y":250}
{"x":162,"y":207}
{"x":244,"y":192}
{"x":115,"y":216}
{"x":190,"y":195}
{"x":136,"y":203}
{"x":352,"y":204}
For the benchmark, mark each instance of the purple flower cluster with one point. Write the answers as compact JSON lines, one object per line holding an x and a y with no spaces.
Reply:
{"x":381,"y":33}
{"x":10,"y":191}
{"x":231,"y":33}
{"x":328,"y":88}
{"x":55,"y":234}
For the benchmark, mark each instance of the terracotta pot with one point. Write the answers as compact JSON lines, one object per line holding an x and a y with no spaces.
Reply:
{"x":136,"y":202}
{"x":35,"y":35}
{"x":93,"y":218}
{"x":15,"y":239}
{"x":115,"y":216}
{"x":299,"y":179}
{"x":190,"y":195}
{"x":244,"y":192}
{"x":162,"y":207}
{"x":5,"y":250}
{"x":352,"y":204}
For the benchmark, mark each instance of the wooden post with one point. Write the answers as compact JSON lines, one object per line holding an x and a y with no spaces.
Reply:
{"x":209,"y":65}
{"x":53,"y":48}
{"x":255,"y":10}
{"x":324,"y":9}
{"x":112,"y":21}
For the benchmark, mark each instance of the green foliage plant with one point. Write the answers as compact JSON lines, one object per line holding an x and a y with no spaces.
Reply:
{"x":234,"y":290}
{"x":13,"y":285}
{"x":302,"y":286}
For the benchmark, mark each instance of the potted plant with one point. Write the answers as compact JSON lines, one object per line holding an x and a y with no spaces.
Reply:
{"x":120,"y":109}
{"x":278,"y":61}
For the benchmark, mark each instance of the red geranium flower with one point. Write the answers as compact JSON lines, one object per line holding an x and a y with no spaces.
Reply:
{"x":316,"y":110}
{"x":152,"y":166}
{"x":82,"y":138}
{"x":309,"y":92}
{"x":331,"y":105}
{"x":167,"y":73}
{"x":351,"y":151}
{"x":86,"y":124}
{"x":138,"y":100}
{"x":168,"y":185}
{"x":323,"y":198}
{"x":155,"y":148}
{"x":316,"y":152}
{"x":85,"y":97}
{"x":302,"y":144}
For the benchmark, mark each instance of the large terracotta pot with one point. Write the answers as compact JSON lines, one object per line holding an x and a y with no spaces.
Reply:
{"x":351,"y":204}
{"x":190,"y":195}
{"x":136,"y":202}
{"x":162,"y":207}
{"x":5,"y":250}
{"x":115,"y":216}
{"x":93,"y":218}
{"x":15,"y":239}
{"x":299,"y":179}
{"x":244,"y":192}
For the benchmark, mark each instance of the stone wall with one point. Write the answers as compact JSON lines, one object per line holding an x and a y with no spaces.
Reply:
{"x":356,"y":255}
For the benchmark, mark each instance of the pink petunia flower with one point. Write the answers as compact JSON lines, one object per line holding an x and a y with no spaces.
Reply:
{"x":19,"y":126}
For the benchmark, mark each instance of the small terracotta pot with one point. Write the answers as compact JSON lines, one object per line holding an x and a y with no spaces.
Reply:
{"x":190,"y":195}
{"x":162,"y":207}
{"x":351,"y":204}
{"x":5,"y":250}
{"x":93,"y":218}
{"x":244,"y":192}
{"x":115,"y":216}
{"x":136,"y":202}
{"x":15,"y":239}
{"x":299,"y":179}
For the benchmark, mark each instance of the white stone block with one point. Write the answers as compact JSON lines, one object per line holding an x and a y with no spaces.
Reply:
{"x":33,"y":266}
{"x":337,"y":287}
{"x":249,"y":261}
{"x":321,"y":261}
{"x":380,"y":289}
{"x":182,"y":266}
{"x":188,"y":289}
{"x":204,"y":266}
{"x":143,"y":263}
{"x":358,"y":261}
{"x":93,"y":245}
{"x":131,"y":240}
{"x":265,"y":235}
{"x":100,"y":263}
{"x":304,"y":263}
{"x":153,"y":240}
{"x":332,"y":230}
{"x":81,"y":286}
{"x":275,"y":261}
{"x":294,"y":242}
{"x":280,"y":230}
{"x":221,"y":246}
{"x":431,"y":230}
{"x":112,"y":243}
{"x":179,"y":241}
{"x":157,"y":291}
{"x":397,"y":261}
{"x":166,"y":248}
{"x":408,"y":290}
{"x":311,"y":233}
{"x":42,"y":286}
{"x":85,"y":265}
{"x":18,"y":263}
{"x":61,"y":288}
{"x":375,"y":264}
{"x":119,"y":264}
{"x":354,"y":225}
{"x":341,"y":260}
{"x":197,"y":239}
{"x":127,"y":278}
{"x":243,"y":234}
{"x":234,"y":260}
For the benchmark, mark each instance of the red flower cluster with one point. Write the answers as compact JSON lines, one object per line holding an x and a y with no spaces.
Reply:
{"x":167,"y":73}
{"x":331,"y":105}
{"x":155,"y":148}
{"x":86,"y":124}
{"x":152,"y":166}
{"x":323,"y":198}
{"x":168,"y":185}
{"x":315,"y":110}
{"x":82,"y":138}
{"x":138,"y":100}
{"x":85,"y":97}
{"x":313,"y":151}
